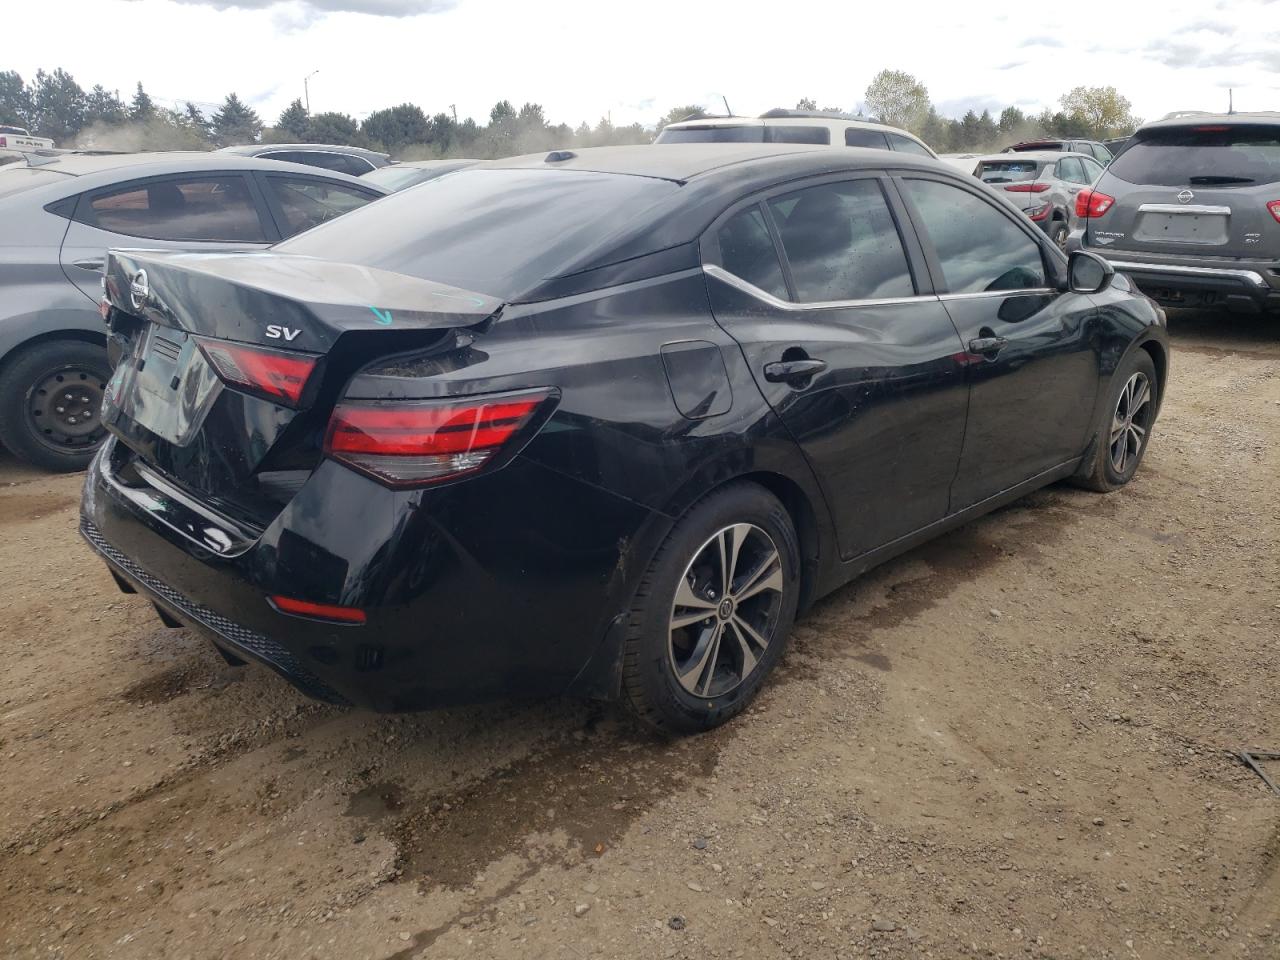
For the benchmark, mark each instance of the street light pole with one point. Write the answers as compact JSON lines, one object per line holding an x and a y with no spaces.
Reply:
{"x":306,"y":91}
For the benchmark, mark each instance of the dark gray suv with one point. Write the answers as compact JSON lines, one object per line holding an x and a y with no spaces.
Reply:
{"x":1190,"y":209}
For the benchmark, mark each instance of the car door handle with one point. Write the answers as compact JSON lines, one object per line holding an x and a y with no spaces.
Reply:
{"x":90,"y":263}
{"x":991,"y":345}
{"x":786,"y":371}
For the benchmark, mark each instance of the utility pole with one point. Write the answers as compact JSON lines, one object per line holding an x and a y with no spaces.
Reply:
{"x":454,"y":108}
{"x":1231,"y":100}
{"x":306,"y":91}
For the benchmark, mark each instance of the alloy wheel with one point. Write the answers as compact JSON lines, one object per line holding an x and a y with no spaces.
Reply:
{"x":1130,"y":422}
{"x":63,"y":409}
{"x":725,"y":612}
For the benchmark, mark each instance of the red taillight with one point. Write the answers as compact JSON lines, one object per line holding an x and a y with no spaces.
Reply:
{"x":318,"y":611}
{"x":4,"y":141}
{"x":1038,"y":215}
{"x":1274,"y":207}
{"x":417,"y":443}
{"x":1091,"y":203}
{"x":1027,"y":187}
{"x":273,"y":374}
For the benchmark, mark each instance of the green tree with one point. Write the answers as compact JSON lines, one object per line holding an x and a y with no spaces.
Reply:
{"x":1101,"y":111}
{"x":806,"y":103}
{"x":396,"y":127}
{"x":15,"y":99}
{"x":104,"y":106}
{"x":142,"y":108}
{"x":57,"y":105}
{"x":333,"y":128}
{"x":293,"y":121}
{"x":235,"y":123}
{"x":936,"y":130}
{"x":687,"y":112}
{"x":502,"y":113}
{"x":195,"y":120}
{"x":1011,"y":118}
{"x":898,"y":99}
{"x":987,"y":131}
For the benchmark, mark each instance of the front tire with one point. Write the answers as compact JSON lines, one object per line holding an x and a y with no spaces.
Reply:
{"x":713,"y":612}
{"x":1126,"y":425}
{"x":50,"y":402}
{"x":1058,"y":234}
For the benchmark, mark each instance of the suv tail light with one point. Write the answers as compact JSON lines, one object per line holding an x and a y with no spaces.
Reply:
{"x":274,"y":374}
{"x":1092,"y":203}
{"x":1274,"y":207}
{"x":1040,"y":214}
{"x":1027,"y":187}
{"x":416,"y":443}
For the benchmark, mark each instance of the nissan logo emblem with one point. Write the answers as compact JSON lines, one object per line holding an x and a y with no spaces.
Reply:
{"x":1186,"y":196}
{"x":139,"y":290}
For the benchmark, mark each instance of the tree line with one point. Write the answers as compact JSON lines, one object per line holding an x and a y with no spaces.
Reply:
{"x":54,"y":105}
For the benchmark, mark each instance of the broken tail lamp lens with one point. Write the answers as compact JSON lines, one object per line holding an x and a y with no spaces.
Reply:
{"x":275,"y":375}
{"x":418,"y":443}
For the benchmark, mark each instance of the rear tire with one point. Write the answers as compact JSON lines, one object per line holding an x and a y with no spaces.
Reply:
{"x":695,"y":653}
{"x":37,"y":420}
{"x":1058,"y":234}
{"x":1125,"y":430}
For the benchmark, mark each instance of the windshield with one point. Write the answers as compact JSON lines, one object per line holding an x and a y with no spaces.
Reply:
{"x":497,"y":232}
{"x":1008,"y":171}
{"x":397,"y":178}
{"x":17,"y":179}
{"x":1203,"y":155}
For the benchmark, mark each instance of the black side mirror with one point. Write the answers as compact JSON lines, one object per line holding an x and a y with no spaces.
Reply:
{"x":1089,"y":273}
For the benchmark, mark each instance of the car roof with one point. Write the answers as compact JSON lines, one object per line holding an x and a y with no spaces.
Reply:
{"x":679,"y":162}
{"x":797,"y":119}
{"x":432,"y":164}
{"x":1263,"y":117}
{"x":1042,"y":156}
{"x":254,"y":149}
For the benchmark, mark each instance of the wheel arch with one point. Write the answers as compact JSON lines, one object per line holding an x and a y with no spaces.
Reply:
{"x":1160,"y":358}
{"x":81,"y":336}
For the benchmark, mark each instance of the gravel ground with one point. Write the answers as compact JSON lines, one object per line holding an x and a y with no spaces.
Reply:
{"x":1013,"y":742}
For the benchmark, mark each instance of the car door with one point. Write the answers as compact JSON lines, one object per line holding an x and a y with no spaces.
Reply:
{"x":298,"y":202}
{"x":206,"y":211}
{"x":823,"y":286}
{"x":1033,"y":349}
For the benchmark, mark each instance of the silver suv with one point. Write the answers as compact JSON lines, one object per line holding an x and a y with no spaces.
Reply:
{"x":1190,"y":209}
{"x":796,"y":126}
{"x":1044,"y":185}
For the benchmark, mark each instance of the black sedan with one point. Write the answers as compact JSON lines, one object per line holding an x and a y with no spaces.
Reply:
{"x":602,"y":422}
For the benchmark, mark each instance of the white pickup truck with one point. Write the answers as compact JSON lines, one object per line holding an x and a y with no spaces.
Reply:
{"x":16,"y":138}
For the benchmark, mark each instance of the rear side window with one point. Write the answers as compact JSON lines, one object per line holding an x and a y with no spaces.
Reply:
{"x":1205,"y":155}
{"x":1092,"y":170}
{"x":979,"y":247}
{"x":907,"y":145}
{"x":309,"y":203}
{"x":842,"y":243}
{"x":494,"y":231}
{"x":747,"y":251}
{"x":792,"y":134}
{"x":858,"y":137}
{"x":713,"y":134}
{"x":1071,"y":169}
{"x":204,"y":208}
{"x":1008,"y":171}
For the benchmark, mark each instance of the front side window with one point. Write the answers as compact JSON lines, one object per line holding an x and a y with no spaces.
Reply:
{"x":842,"y":243}
{"x":747,"y":251}
{"x":907,"y":145}
{"x":859,"y":137}
{"x":205,"y":208}
{"x":979,"y":247}
{"x":308,"y":203}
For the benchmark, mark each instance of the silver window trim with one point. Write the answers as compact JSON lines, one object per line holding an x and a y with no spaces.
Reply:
{"x":987,"y":294}
{"x":751,"y":290}
{"x":1182,"y":208}
{"x":1248,"y":276}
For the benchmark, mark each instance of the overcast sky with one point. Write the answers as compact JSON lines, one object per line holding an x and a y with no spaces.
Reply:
{"x":584,"y":59}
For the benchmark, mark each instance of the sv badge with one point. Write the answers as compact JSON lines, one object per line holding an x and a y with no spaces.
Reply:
{"x":277,"y":332}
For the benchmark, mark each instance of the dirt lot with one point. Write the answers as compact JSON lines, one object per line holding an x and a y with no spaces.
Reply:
{"x":1012,"y":742}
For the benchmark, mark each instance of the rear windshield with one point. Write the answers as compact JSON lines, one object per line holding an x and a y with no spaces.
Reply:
{"x":1008,"y":171}
{"x":1206,"y":156}
{"x":16,"y":179}
{"x":754,"y":133}
{"x":497,"y":232}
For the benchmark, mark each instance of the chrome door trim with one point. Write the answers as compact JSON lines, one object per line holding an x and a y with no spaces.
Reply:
{"x":987,"y":294}
{"x":751,"y":290}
